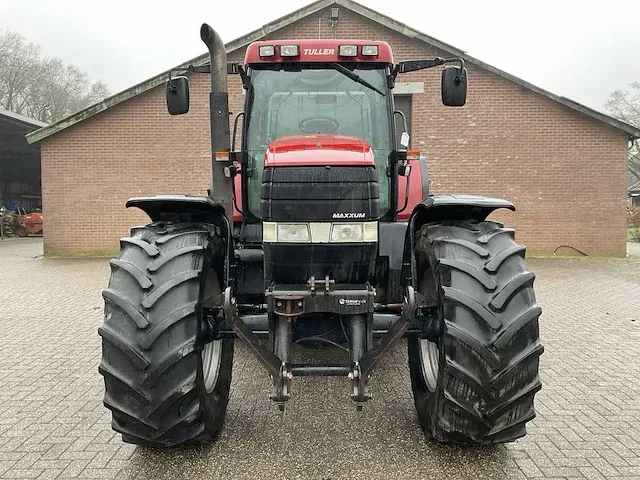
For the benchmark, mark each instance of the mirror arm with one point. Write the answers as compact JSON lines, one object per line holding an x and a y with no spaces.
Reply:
{"x":453,"y":60}
{"x":460,"y":69}
{"x":237,"y":69}
{"x":232,"y":69}
{"x":413,"y":65}
{"x":246,"y":79}
{"x":391,"y":79}
{"x":199,"y":68}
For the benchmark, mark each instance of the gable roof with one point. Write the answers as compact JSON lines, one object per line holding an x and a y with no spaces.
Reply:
{"x":635,"y":188}
{"x":281,"y":22}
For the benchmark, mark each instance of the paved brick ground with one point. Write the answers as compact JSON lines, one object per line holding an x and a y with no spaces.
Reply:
{"x":53,"y":425}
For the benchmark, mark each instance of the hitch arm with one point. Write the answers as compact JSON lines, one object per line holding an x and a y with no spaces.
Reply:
{"x":271,"y":362}
{"x":368,"y":361}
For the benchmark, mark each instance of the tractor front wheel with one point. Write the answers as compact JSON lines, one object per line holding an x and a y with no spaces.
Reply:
{"x":165,"y":382}
{"x":475,"y":374}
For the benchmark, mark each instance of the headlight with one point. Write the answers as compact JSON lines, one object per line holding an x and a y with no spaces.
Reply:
{"x":347,"y":232}
{"x":293,"y":232}
{"x":320,"y":232}
{"x":289,"y":51}
{"x":370,"y":50}
{"x":267,"y":50}
{"x":348,"y":50}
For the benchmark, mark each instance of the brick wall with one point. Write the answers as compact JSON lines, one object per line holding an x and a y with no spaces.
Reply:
{"x":565,"y":172}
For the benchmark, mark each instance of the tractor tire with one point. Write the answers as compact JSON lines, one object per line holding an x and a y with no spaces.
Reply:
{"x":163,"y":384}
{"x":475,"y":382}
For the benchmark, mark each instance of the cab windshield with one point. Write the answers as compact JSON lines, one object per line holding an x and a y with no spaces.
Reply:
{"x":303,"y":99}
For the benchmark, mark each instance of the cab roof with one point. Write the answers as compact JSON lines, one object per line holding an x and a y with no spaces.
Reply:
{"x":320,"y":50}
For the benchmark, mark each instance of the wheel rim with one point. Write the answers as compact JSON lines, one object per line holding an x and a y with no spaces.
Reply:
{"x":211,"y":357}
{"x":429,"y":362}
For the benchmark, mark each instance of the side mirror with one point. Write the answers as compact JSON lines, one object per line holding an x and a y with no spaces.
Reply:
{"x":454,"y":86}
{"x":177,"y":93}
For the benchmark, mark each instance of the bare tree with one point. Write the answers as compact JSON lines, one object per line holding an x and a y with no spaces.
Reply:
{"x":18,"y":63}
{"x":46,"y":89}
{"x":626,"y":106}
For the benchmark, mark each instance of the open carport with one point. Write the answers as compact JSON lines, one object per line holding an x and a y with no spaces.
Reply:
{"x":19,"y":162}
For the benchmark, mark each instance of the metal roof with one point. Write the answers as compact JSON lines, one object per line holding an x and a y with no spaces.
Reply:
{"x":635,"y":188}
{"x":21,"y":118}
{"x":366,"y":12}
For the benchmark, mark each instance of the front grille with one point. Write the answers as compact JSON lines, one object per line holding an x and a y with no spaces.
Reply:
{"x":310,"y":193}
{"x":315,"y":194}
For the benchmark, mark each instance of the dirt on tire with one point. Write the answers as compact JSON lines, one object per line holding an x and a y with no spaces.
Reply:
{"x":151,"y":346}
{"x":489,"y":347}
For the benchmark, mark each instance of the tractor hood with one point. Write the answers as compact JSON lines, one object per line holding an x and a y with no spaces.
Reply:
{"x":318,"y":150}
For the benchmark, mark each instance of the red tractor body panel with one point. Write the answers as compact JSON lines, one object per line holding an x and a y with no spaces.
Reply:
{"x":313,"y":150}
{"x":318,"y":51}
{"x":237,"y":192}
{"x":330,"y":150}
{"x":415,"y":190}
{"x":336,"y":150}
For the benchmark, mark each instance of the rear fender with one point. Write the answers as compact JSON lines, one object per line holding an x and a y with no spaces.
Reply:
{"x":441,"y":208}
{"x":190,"y":209}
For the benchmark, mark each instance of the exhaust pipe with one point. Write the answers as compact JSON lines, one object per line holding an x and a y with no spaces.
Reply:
{"x":221,"y":186}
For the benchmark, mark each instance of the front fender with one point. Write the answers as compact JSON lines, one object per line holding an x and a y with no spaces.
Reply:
{"x":191,"y":209}
{"x":178,"y":208}
{"x":456,"y":207}
{"x":440,"y":208}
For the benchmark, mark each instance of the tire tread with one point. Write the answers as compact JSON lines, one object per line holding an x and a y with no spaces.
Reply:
{"x":491,"y":343}
{"x":150,"y":353}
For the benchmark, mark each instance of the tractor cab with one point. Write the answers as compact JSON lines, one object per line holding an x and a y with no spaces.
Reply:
{"x":324,"y":93}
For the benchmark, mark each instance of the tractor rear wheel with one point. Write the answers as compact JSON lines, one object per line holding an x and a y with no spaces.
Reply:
{"x":475,"y":377}
{"x":165,"y":384}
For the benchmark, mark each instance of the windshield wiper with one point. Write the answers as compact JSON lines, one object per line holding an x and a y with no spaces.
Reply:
{"x":355,"y":77}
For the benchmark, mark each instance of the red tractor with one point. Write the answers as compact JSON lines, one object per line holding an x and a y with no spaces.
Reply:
{"x":20,"y":223}
{"x":319,"y":229}
{"x":31,"y":223}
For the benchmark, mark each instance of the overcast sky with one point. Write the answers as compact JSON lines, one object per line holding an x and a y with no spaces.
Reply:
{"x":580,"y":52}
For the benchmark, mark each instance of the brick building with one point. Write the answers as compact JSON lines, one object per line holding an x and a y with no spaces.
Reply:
{"x":564,"y":165}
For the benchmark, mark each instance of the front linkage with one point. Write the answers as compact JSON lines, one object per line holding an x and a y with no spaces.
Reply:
{"x":285,"y":305}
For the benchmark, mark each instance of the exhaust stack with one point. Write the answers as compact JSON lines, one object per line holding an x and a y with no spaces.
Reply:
{"x":221,"y":186}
